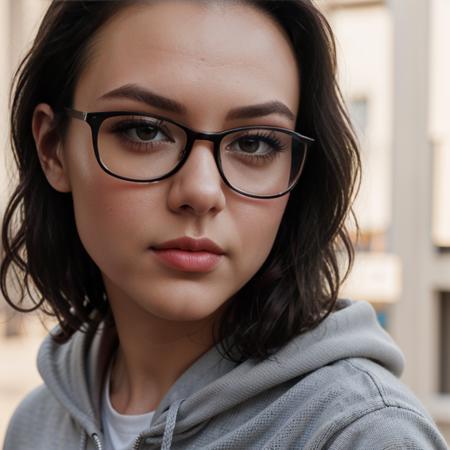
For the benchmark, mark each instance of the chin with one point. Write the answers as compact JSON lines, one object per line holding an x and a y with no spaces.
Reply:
{"x":181,"y":311}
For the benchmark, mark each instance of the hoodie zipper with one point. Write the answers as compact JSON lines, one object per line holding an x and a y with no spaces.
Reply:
{"x":97,"y":441}
{"x":137,"y":442}
{"x":99,"y":445}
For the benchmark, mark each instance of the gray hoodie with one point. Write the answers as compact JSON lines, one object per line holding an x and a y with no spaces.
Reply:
{"x":334,"y":387}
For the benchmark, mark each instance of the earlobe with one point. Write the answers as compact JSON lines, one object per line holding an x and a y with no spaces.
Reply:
{"x":49,"y":147}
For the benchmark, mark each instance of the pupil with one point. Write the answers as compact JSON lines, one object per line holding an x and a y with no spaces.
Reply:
{"x":249,"y":145}
{"x":146,"y":133}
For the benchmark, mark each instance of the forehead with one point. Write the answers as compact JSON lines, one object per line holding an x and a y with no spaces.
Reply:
{"x":195,"y":52}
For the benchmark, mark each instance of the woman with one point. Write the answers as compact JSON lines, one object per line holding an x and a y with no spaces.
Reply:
{"x":185,"y":171}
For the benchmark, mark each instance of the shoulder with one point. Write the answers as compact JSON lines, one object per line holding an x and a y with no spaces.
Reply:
{"x":358,"y":404}
{"x":35,"y":420}
{"x":365,"y":385}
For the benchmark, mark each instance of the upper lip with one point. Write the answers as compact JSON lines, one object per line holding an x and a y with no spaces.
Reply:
{"x":193,"y":245}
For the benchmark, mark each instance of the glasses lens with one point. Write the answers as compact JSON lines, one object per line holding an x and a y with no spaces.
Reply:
{"x":262,"y":161}
{"x":140,"y":147}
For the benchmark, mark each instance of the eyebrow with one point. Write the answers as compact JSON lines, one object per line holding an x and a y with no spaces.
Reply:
{"x":140,"y":94}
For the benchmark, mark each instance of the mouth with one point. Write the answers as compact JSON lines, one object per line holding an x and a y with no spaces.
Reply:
{"x":189,"y":255}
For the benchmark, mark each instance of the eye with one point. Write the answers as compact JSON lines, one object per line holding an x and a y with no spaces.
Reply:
{"x":249,"y":145}
{"x":259,"y":143}
{"x":142,"y":131}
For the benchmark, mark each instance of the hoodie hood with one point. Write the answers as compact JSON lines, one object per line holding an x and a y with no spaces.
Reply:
{"x":74,"y":372}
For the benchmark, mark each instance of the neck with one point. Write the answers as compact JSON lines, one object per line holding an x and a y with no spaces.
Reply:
{"x":152,"y":354}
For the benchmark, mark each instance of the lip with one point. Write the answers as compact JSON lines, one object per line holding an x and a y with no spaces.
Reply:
{"x":189,"y":255}
{"x":191,"y":245}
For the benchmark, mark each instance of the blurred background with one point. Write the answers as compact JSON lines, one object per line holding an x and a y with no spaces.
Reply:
{"x":394,"y":72}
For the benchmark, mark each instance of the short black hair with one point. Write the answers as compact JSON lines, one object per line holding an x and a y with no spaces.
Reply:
{"x":298,"y":284}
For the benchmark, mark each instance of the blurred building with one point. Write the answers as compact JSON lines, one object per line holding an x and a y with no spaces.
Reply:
{"x":19,"y":20}
{"x":18,"y":375}
{"x":394,"y":72}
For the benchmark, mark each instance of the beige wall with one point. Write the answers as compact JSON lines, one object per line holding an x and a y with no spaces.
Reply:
{"x":4,"y":82}
{"x":364,"y":43}
{"x":440,"y":118}
{"x":19,"y":20}
{"x":364,"y":38}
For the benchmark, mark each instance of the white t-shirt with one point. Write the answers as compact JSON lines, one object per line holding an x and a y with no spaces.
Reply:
{"x":121,"y":430}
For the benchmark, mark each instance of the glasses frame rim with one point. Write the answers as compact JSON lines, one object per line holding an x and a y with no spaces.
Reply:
{"x":95,"y":120}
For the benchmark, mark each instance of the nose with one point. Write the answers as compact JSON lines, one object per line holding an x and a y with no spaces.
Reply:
{"x":197,"y":188}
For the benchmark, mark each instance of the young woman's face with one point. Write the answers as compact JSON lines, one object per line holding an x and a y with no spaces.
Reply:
{"x":210,"y":58}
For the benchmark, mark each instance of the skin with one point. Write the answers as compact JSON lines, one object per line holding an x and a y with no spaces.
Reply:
{"x":164,"y":316}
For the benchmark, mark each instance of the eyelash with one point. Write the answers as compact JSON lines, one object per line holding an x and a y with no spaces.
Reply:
{"x":130,"y":124}
{"x":267,"y":137}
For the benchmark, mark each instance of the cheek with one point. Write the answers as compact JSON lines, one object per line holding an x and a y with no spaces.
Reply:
{"x":99,"y":219}
{"x":258,"y":229}
{"x":111,"y":216}
{"x":112,"y":212}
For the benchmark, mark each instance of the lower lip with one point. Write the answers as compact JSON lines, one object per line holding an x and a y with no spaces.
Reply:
{"x":188,"y":261}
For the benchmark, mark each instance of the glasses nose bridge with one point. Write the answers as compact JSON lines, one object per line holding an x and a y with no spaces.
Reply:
{"x":213,"y":137}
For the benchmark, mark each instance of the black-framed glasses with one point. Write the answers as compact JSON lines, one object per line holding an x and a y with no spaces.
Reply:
{"x":256,"y":161}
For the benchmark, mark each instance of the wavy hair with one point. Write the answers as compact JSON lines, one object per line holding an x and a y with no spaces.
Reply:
{"x":297,"y":286}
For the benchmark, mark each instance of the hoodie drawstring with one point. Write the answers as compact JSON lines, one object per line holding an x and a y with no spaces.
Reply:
{"x":167,"y":436}
{"x":170,"y":425}
{"x":83,"y":440}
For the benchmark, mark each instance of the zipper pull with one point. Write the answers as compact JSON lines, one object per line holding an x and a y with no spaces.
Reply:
{"x":97,"y":441}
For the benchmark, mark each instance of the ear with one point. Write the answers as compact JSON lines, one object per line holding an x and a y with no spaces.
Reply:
{"x":49,"y":147}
